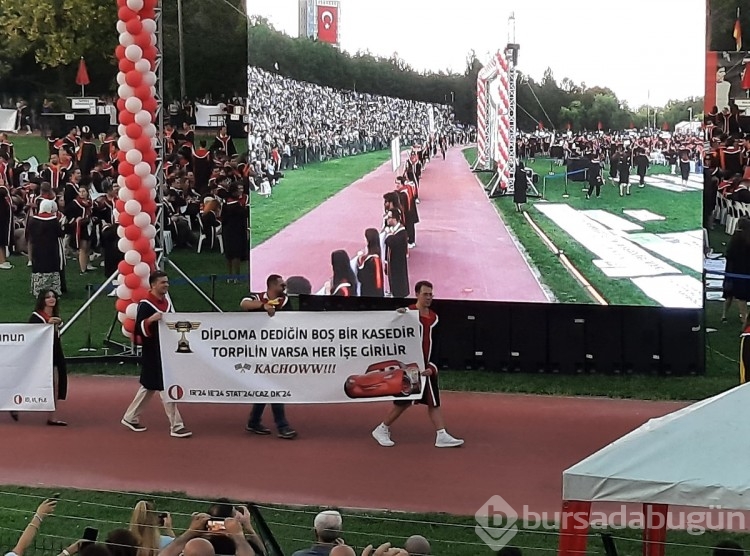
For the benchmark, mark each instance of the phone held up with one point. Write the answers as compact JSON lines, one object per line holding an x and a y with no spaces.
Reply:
{"x":89,"y":536}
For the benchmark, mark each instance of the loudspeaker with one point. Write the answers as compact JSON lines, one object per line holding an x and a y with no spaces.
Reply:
{"x":566,"y":333}
{"x":682,"y":342}
{"x":603,"y":339}
{"x":528,"y":337}
{"x":641,"y":339}
{"x":492,"y":337}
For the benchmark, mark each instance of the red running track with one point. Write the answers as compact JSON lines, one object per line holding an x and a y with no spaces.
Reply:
{"x":463,"y":246}
{"x":516,"y":446}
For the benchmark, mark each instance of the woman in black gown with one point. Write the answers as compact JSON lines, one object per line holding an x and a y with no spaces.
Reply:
{"x":234,"y":228}
{"x":370,"y":266}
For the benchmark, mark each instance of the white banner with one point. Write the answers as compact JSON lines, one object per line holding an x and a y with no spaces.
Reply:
{"x":292,"y":357}
{"x":26,"y":375}
{"x":8,"y":119}
{"x":396,"y":153}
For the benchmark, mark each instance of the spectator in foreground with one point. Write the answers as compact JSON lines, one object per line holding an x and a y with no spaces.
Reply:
{"x":45,"y":509}
{"x":122,"y":542}
{"x":417,"y":545}
{"x":327,"y":529}
{"x":144,"y":524}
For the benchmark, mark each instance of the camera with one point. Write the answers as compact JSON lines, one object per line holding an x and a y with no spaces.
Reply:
{"x":215,"y":525}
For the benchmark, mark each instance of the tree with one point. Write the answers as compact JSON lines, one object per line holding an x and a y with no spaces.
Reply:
{"x":58,"y":32}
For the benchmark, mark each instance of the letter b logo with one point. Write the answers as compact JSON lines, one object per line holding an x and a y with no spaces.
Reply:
{"x":496,"y":523}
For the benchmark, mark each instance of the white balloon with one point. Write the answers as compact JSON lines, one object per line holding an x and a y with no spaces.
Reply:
{"x":132,"y":311}
{"x":153,"y":91}
{"x":121,"y":129}
{"x":124,"y":292}
{"x":125,"y":194}
{"x":153,"y":40}
{"x":121,"y":181}
{"x":124,"y":245}
{"x":152,"y":243}
{"x":135,"y":5}
{"x":120,"y":231}
{"x":142,"y":220}
{"x":143,"y":118}
{"x":121,"y":27}
{"x":133,"y":52}
{"x":126,"y":39}
{"x":125,"y":143}
{"x":122,"y":317}
{"x":149,"y":181}
{"x":149,"y":25}
{"x":152,"y":194}
{"x":143,"y":66}
{"x":142,"y":270}
{"x":149,"y":231}
{"x":132,"y":207}
{"x":125,"y":91}
{"x":150,"y":130}
{"x":133,"y":105}
{"x":120,"y":78}
{"x":142,"y":169}
{"x":132,"y":257}
{"x":149,"y":78}
{"x":125,"y":333}
{"x":133,"y":156}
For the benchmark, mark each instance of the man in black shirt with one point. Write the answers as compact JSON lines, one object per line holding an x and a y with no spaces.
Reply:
{"x":272,"y":300}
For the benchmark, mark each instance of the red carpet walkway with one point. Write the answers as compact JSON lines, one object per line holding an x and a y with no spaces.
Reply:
{"x":463,"y":247}
{"x":516,"y":446}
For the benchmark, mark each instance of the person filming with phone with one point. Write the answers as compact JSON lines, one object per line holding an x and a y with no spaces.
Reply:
{"x":208,"y":536}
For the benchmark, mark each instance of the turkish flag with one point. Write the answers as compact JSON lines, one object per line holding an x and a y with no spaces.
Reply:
{"x":328,"y":24}
{"x":665,"y":126}
{"x":82,"y":77}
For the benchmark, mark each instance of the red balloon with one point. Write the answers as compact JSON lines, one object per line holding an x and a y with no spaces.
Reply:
{"x":148,"y":5}
{"x":125,"y":219}
{"x":120,"y":4}
{"x":143,"y":144}
{"x":124,"y":269}
{"x":126,"y":118}
{"x":125,"y":168}
{"x":142,"y":195}
{"x":149,"y":52}
{"x":132,"y":233}
{"x":126,"y":14}
{"x":143,"y":39}
{"x":121,"y":105}
{"x":150,"y":208}
{"x":129,"y":325}
{"x":140,"y":293}
{"x":149,"y":258}
{"x":149,"y":104}
{"x":148,"y":13}
{"x":150,"y":157}
{"x":133,"y":281}
{"x":120,"y":52}
{"x":134,"y":131}
{"x":134,"y":78}
{"x":125,"y":65}
{"x":142,"y":245}
{"x":121,"y":305}
{"x":120,"y":206}
{"x":143,"y":92}
{"x":133,"y":182}
{"x":134,"y":26}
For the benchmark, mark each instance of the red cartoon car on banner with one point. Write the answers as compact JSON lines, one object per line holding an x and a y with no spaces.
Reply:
{"x":388,"y":378}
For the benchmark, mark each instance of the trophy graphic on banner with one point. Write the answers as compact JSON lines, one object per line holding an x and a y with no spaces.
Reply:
{"x":183,"y":327}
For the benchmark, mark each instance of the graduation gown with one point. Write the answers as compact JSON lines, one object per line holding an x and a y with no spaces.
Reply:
{"x":397,"y":249}
{"x":58,"y":357}
{"x":234,"y":230}
{"x":370,"y":276}
{"x":147,"y":336}
{"x":6,"y":217}
{"x":45,"y":232}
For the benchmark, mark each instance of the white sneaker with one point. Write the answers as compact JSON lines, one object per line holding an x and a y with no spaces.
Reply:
{"x":6,"y":266}
{"x":383,"y":435}
{"x":445,"y":440}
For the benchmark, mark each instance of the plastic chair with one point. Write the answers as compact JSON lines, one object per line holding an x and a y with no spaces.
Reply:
{"x":203,"y":236}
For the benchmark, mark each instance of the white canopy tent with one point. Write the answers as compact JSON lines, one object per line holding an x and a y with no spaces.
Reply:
{"x":696,"y":456}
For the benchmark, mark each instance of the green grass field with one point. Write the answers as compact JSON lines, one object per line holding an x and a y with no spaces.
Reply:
{"x":449,"y":535}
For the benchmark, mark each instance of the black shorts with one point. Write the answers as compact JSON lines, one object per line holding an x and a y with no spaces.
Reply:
{"x":430,"y":396}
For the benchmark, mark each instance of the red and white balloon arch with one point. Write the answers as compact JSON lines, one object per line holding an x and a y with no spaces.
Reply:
{"x":137,"y":110}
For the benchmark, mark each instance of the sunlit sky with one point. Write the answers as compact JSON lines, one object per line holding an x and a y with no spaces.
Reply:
{"x":640,"y":49}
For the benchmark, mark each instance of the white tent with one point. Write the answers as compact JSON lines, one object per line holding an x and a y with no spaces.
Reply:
{"x":688,"y":127}
{"x":696,"y":456}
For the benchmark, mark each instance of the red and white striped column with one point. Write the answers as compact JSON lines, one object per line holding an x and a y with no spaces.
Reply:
{"x":137,"y":109}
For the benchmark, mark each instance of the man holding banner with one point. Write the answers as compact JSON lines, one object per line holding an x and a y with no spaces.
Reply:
{"x":150,"y":311}
{"x":428,"y":320}
{"x":272,"y":300}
